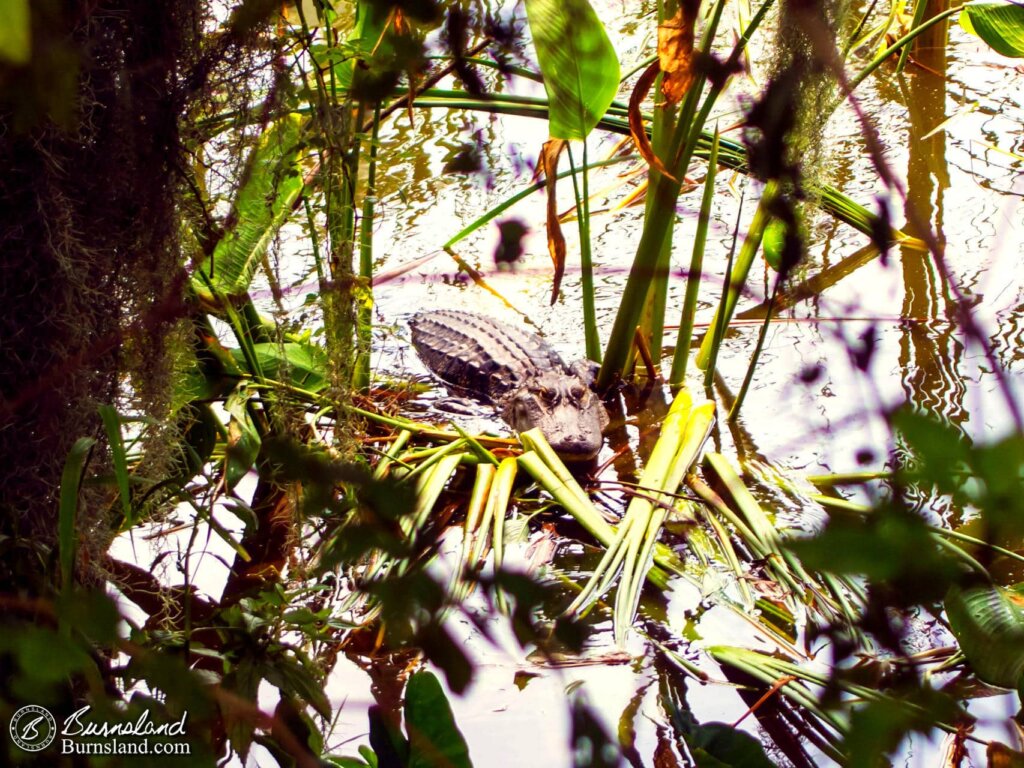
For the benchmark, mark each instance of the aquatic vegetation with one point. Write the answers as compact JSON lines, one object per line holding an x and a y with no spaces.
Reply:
{"x":269,"y":504}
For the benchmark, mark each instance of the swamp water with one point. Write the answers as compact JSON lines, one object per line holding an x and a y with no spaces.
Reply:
{"x":943,"y":126}
{"x":951,"y":129}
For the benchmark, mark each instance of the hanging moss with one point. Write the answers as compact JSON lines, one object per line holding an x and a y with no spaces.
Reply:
{"x":92,"y":278}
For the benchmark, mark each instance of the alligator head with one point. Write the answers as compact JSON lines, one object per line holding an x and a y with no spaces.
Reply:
{"x":565,"y":409}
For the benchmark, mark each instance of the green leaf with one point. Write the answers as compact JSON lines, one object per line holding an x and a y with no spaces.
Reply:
{"x":390,"y":747}
{"x":942,"y":452}
{"x":49,"y":656}
{"x":273,"y":184}
{"x":368,"y":755}
{"x":91,"y":613}
{"x":15,"y":31}
{"x":434,"y":738}
{"x":877,"y":728}
{"x":112,"y":425}
{"x":70,"y":484}
{"x":297,"y":363}
{"x":345,"y":762}
{"x":990,"y":628}
{"x":199,"y":427}
{"x":580,"y":68}
{"x":997,"y":477}
{"x":243,"y":442}
{"x":243,"y":681}
{"x":295,"y":676}
{"x":719,"y":745}
{"x":1001,"y":25}
{"x":772,"y":243}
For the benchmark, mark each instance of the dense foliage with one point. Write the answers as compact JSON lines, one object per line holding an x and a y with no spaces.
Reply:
{"x":159,"y":162}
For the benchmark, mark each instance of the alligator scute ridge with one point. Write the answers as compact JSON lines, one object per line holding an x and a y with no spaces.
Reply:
{"x":517,"y":371}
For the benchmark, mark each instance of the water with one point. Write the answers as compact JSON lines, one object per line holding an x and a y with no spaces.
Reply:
{"x":960,"y":180}
{"x":956,"y":179}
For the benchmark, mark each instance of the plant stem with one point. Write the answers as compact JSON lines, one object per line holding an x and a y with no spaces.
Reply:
{"x":364,"y":294}
{"x":741,"y":396}
{"x":592,"y":340}
{"x":693,"y":278}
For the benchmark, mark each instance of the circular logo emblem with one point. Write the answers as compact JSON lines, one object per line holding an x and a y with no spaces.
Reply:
{"x":33,"y":728}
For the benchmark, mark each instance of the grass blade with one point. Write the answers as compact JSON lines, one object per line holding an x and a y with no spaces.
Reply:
{"x":112,"y":425}
{"x":737,"y":277}
{"x":70,"y":486}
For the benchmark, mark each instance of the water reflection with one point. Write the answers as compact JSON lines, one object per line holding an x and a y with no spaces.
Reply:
{"x":790,"y":419}
{"x":930,"y":355}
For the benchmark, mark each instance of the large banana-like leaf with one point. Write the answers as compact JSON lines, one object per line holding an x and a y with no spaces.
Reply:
{"x":299,"y":364}
{"x":999,"y":24}
{"x":434,"y":737}
{"x":989,"y":623}
{"x":263,"y":204}
{"x":580,"y":68}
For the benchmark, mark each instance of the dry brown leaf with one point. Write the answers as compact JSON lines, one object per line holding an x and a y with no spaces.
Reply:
{"x":548,"y":165}
{"x":675,"y":51}
{"x":1001,"y":756}
{"x":636,"y":121}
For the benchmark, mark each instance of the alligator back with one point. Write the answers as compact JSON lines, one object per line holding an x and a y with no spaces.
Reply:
{"x":480,"y":355}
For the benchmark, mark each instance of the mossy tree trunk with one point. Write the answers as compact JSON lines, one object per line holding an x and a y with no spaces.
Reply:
{"x":89,"y":263}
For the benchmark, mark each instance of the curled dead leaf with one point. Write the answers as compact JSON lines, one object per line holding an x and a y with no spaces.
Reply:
{"x":548,"y":165}
{"x":675,"y":51}
{"x":636,"y":121}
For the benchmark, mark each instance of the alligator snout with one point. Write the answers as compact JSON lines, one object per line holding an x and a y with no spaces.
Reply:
{"x":569,"y":414}
{"x":577,"y":447}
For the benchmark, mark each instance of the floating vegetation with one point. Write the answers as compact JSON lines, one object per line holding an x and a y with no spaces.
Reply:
{"x":230,"y":497}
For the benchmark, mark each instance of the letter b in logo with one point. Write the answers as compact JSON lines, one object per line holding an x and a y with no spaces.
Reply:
{"x":33,"y":728}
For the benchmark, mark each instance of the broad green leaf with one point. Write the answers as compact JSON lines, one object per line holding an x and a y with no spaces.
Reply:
{"x":1001,"y":25}
{"x":273,"y":184}
{"x":193,"y":385}
{"x":48,"y":656}
{"x":877,"y":728}
{"x":719,"y":745}
{"x":243,"y":443}
{"x":213,"y":374}
{"x":199,"y":427}
{"x":15,"y":31}
{"x":293,"y":675}
{"x":988,"y":621}
{"x":580,"y":68}
{"x":243,"y":681}
{"x":434,"y":738}
{"x":995,"y":486}
{"x":92,"y":613}
{"x":942,"y":452}
{"x":300,"y":364}
{"x":890,"y":546}
{"x":368,"y":755}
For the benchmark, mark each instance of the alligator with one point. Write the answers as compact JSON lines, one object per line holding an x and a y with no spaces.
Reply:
{"x":517,"y":371}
